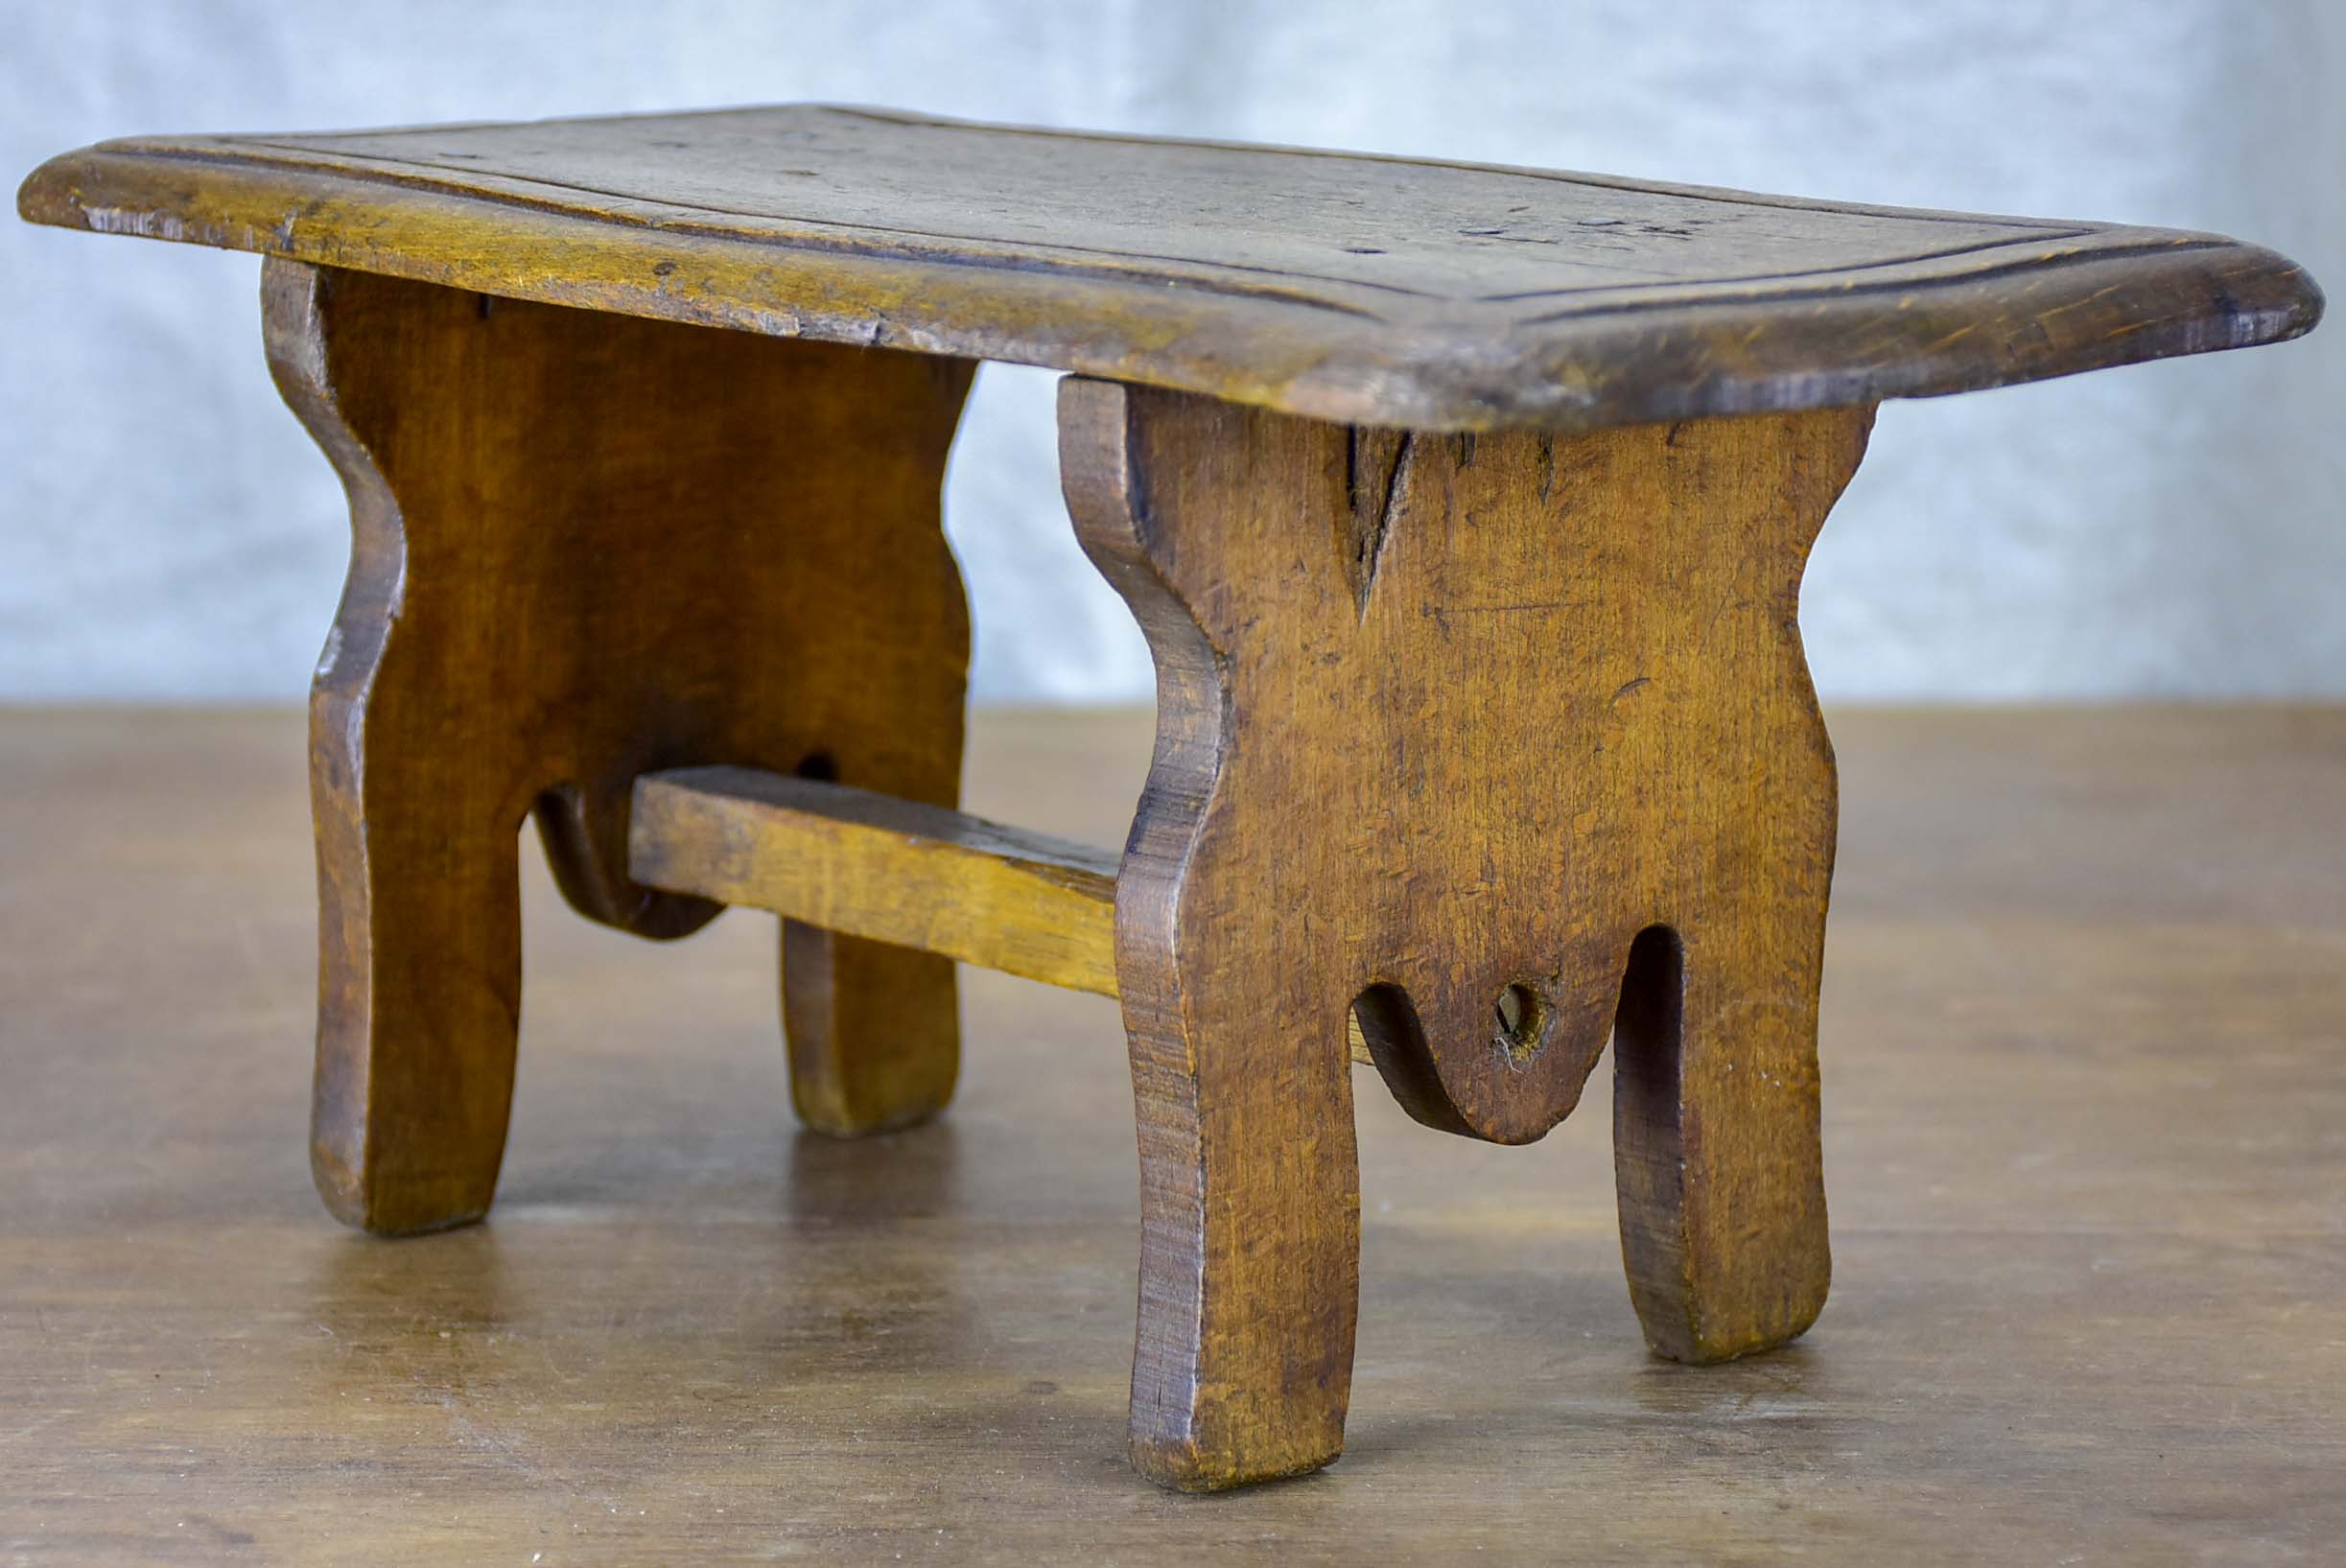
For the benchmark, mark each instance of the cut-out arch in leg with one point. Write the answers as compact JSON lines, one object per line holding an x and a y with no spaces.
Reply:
{"x":586,"y":546}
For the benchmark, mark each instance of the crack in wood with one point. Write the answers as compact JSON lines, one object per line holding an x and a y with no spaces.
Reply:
{"x":1374,"y":475}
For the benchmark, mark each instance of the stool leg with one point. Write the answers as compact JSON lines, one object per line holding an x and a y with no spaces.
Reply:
{"x":1716,"y":1147}
{"x":1505,"y":742}
{"x":419,"y":972}
{"x":586,"y":546}
{"x":1250,"y":1195}
{"x":864,"y":1022}
{"x":1250,"y":1210}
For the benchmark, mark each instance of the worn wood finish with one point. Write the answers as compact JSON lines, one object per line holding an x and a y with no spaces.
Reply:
{"x":2085,"y":1015}
{"x":1492,"y":738}
{"x":1363,"y":289}
{"x":831,"y":857}
{"x":586,"y":546}
{"x":887,"y":869}
{"x":1483,"y":720}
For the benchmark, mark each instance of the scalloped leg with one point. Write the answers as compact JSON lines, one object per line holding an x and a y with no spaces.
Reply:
{"x":586,"y":546}
{"x":1457,"y":730}
{"x":1250,"y":1193}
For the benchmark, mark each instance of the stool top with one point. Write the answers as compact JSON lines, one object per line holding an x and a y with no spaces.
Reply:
{"x":1342,"y":286}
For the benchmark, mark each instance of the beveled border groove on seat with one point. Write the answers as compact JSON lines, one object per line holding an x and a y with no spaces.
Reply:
{"x":2051,"y":300}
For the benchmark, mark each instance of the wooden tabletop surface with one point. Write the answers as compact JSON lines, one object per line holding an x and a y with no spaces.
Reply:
{"x":1368,"y":290}
{"x":2085,"y":1080}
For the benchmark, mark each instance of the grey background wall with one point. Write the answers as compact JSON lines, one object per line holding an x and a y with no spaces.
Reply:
{"x":2176,"y":530}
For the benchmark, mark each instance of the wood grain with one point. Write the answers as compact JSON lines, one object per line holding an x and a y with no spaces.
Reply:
{"x":1356,"y":289}
{"x":2085,"y":1012}
{"x":1537,"y":749}
{"x":1482,"y":723}
{"x":586,"y":546}
{"x":836,"y":859}
{"x":882,"y":867}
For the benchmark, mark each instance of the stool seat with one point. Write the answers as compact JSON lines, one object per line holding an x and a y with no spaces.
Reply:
{"x":1366,"y":290}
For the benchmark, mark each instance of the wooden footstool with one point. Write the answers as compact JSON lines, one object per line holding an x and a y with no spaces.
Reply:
{"x":1465,"y":509}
